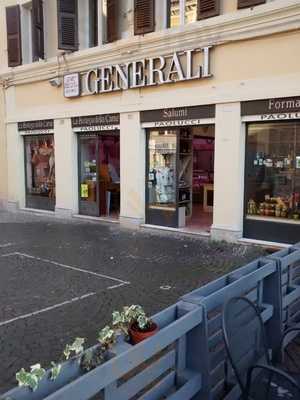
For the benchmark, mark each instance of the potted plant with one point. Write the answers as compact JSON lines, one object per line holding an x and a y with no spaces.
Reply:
{"x":134,"y":323}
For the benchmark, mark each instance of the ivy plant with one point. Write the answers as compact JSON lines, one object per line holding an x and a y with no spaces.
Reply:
{"x":129,"y":315}
{"x":31,"y":379}
{"x":55,"y":370}
{"x":75,"y":348}
{"x":90,"y":359}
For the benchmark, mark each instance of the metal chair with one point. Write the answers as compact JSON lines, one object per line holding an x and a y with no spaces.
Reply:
{"x":246,"y":347}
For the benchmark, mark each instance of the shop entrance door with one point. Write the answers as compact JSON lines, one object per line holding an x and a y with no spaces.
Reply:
{"x":203,"y":148}
{"x":99,"y":174}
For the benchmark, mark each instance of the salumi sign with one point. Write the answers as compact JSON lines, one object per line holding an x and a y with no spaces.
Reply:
{"x":178,"y":67}
{"x":179,"y":116}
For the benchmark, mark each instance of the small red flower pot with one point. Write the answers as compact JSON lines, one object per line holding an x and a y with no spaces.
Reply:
{"x":137,"y":336}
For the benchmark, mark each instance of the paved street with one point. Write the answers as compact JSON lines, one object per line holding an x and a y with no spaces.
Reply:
{"x":61,"y":279}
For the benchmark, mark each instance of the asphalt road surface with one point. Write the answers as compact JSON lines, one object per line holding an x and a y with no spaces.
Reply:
{"x":60,"y":279}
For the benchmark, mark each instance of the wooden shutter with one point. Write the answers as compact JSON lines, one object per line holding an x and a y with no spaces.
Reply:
{"x":14,"y":45}
{"x":112,"y":20}
{"x":144,"y":16}
{"x":37,"y":30}
{"x":93,"y":17}
{"x":208,"y":8}
{"x":249,"y":3}
{"x":67,"y":24}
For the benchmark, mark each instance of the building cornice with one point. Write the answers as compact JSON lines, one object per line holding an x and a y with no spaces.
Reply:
{"x":272,"y":18}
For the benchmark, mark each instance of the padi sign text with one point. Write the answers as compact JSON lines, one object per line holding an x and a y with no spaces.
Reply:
{"x":178,"y":67}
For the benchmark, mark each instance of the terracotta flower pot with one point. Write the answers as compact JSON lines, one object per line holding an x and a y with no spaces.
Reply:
{"x":137,"y":336}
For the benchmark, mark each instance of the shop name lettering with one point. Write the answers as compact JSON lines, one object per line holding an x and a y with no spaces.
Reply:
{"x":280,"y":116}
{"x":109,"y":119}
{"x":284,"y":104}
{"x":183,"y":122}
{"x":148,"y":72}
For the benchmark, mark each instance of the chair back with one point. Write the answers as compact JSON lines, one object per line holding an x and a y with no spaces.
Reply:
{"x":273,"y":385}
{"x":244,"y":337}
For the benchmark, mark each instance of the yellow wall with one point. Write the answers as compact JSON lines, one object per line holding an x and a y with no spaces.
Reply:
{"x":3,"y":154}
{"x":239,"y":69}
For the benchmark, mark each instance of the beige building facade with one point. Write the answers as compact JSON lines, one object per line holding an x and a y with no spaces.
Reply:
{"x":192,"y":126}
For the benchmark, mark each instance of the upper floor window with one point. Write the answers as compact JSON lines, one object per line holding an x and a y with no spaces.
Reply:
{"x":180,"y":12}
{"x":249,"y":3}
{"x":26,"y":22}
{"x":67,"y":21}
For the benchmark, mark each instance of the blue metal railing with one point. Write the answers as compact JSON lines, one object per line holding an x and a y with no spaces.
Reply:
{"x":186,"y":359}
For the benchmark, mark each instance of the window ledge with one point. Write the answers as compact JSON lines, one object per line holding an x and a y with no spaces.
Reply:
{"x":263,"y":20}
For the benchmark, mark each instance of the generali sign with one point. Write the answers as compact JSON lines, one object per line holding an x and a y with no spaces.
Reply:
{"x":152,"y":71}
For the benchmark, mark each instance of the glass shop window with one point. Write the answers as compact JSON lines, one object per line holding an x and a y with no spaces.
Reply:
{"x":162,"y":169}
{"x":273,"y":171}
{"x":40,"y":166}
{"x":88,"y":169}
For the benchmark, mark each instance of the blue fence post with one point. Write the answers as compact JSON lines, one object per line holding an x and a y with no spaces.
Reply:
{"x":110,"y":392}
{"x":197,"y":354}
{"x":271,"y":294}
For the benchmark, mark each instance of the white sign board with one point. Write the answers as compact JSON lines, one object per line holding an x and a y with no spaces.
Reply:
{"x":72,"y":85}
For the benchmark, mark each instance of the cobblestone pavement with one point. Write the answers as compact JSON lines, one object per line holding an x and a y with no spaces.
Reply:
{"x":62,"y":278}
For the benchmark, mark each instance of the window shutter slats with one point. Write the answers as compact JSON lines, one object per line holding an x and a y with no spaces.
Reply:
{"x":14,"y":47}
{"x":208,"y":8}
{"x":249,"y":3}
{"x":67,"y":15}
{"x":37,"y":29}
{"x":112,"y":20}
{"x":93,"y":20}
{"x":144,"y":16}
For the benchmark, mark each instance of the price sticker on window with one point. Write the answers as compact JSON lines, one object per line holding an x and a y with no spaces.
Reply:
{"x":84,"y":191}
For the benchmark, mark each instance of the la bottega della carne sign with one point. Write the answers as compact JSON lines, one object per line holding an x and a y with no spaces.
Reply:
{"x":177,"y":67}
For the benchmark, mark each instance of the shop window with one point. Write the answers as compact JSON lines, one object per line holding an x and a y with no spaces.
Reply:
{"x":273,"y":172}
{"x":99,"y":175}
{"x":88,"y":175}
{"x":40,"y":172}
{"x":162,"y":169}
